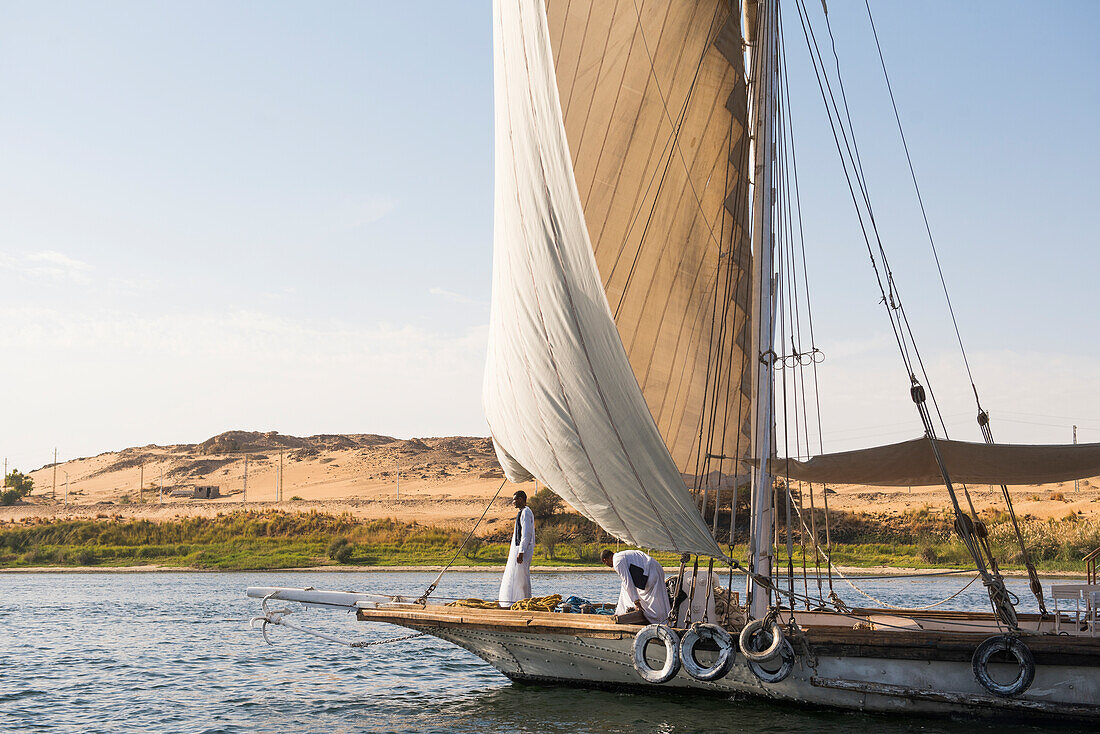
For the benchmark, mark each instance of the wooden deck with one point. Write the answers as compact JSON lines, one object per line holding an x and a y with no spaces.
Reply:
{"x":826,"y":633}
{"x":551,"y":623}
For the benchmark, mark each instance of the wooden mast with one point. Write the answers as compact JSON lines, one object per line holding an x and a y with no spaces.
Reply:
{"x":762,"y":42}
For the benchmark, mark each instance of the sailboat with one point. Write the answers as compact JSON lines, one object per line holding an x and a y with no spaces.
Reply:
{"x":643,"y":282}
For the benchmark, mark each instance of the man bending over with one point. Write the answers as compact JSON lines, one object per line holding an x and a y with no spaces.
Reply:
{"x":643,"y":584}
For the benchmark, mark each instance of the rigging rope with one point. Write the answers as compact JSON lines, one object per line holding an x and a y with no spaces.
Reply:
{"x":925,"y":607}
{"x":792,"y":244}
{"x":839,"y":605}
{"x":674,"y":142}
{"x":813,"y":349}
{"x":537,"y":603}
{"x":843,"y":610}
{"x":279,"y":617}
{"x":971,"y":534}
{"x":423,"y":599}
{"x":983,"y":416}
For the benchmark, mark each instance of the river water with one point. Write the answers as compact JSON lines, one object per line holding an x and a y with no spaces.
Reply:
{"x":172,"y":652}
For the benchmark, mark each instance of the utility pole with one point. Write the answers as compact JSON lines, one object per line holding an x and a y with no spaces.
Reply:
{"x":279,"y":480}
{"x":398,"y":465}
{"x":1076,"y":482}
{"x":160,"y":486}
{"x":66,"y":489}
{"x":141,"y":480}
{"x":53,"y":491}
{"x":244,"y":489}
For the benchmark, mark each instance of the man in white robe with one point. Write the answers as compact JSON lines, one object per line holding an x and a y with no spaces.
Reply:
{"x":516,"y":583}
{"x":643,"y":584}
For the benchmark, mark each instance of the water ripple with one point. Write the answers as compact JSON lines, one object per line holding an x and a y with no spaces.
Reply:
{"x":173,"y":652}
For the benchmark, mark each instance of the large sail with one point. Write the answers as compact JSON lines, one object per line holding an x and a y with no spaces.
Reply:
{"x":654,"y":105}
{"x":912,"y":463}
{"x":562,"y":401}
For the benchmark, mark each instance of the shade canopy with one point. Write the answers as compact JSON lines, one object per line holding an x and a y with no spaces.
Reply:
{"x":913,"y":464}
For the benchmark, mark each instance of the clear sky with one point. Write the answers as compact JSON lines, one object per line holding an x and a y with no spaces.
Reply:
{"x":278,"y":216}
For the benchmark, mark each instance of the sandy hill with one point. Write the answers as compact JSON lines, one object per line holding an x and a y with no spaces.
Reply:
{"x":432,"y":480}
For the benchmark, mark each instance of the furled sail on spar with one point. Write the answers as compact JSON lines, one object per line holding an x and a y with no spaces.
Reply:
{"x":615,"y":349}
{"x":912,"y":463}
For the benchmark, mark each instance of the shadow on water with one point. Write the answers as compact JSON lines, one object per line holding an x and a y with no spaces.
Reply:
{"x":559,"y":710}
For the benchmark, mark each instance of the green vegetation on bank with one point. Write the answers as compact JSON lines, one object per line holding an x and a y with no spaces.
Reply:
{"x":17,"y":485}
{"x":270,"y":540}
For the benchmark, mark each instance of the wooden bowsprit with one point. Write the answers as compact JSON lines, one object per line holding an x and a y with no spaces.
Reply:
{"x":339,"y":599}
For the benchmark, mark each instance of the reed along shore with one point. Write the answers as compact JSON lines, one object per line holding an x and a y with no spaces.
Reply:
{"x":277,"y":539}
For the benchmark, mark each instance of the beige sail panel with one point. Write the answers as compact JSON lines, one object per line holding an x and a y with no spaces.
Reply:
{"x":560,"y":395}
{"x":654,"y":107}
{"x":913,"y":464}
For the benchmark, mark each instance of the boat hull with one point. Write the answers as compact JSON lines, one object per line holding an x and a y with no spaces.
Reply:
{"x":936,"y":678}
{"x":890,"y":685}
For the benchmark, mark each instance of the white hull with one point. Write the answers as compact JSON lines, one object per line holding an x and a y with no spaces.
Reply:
{"x":917,"y":686}
{"x":922,"y":671}
{"x":916,"y":663}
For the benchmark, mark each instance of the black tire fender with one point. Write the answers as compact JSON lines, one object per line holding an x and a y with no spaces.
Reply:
{"x":668,"y":637}
{"x":1018,"y":650}
{"x":786,"y":665}
{"x":749,"y":640}
{"x":712,"y":632}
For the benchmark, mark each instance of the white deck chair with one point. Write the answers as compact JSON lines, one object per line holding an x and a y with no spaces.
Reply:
{"x":1093,"y":611}
{"x":1067,"y":593}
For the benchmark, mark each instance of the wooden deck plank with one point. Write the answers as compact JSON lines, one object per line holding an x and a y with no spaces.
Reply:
{"x":839,"y":641}
{"x":504,"y":618}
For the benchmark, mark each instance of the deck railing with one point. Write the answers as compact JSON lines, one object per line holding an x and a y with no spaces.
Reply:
{"x":1090,"y":566}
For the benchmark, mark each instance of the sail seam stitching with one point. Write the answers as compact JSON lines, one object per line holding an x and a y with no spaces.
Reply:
{"x":649,"y":155}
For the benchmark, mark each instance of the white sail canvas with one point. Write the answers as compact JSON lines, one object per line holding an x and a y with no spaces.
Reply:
{"x":561,"y":399}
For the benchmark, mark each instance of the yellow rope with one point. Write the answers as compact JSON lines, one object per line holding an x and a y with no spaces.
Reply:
{"x":534,"y":604}
{"x":474,"y":603}
{"x":538,"y":603}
